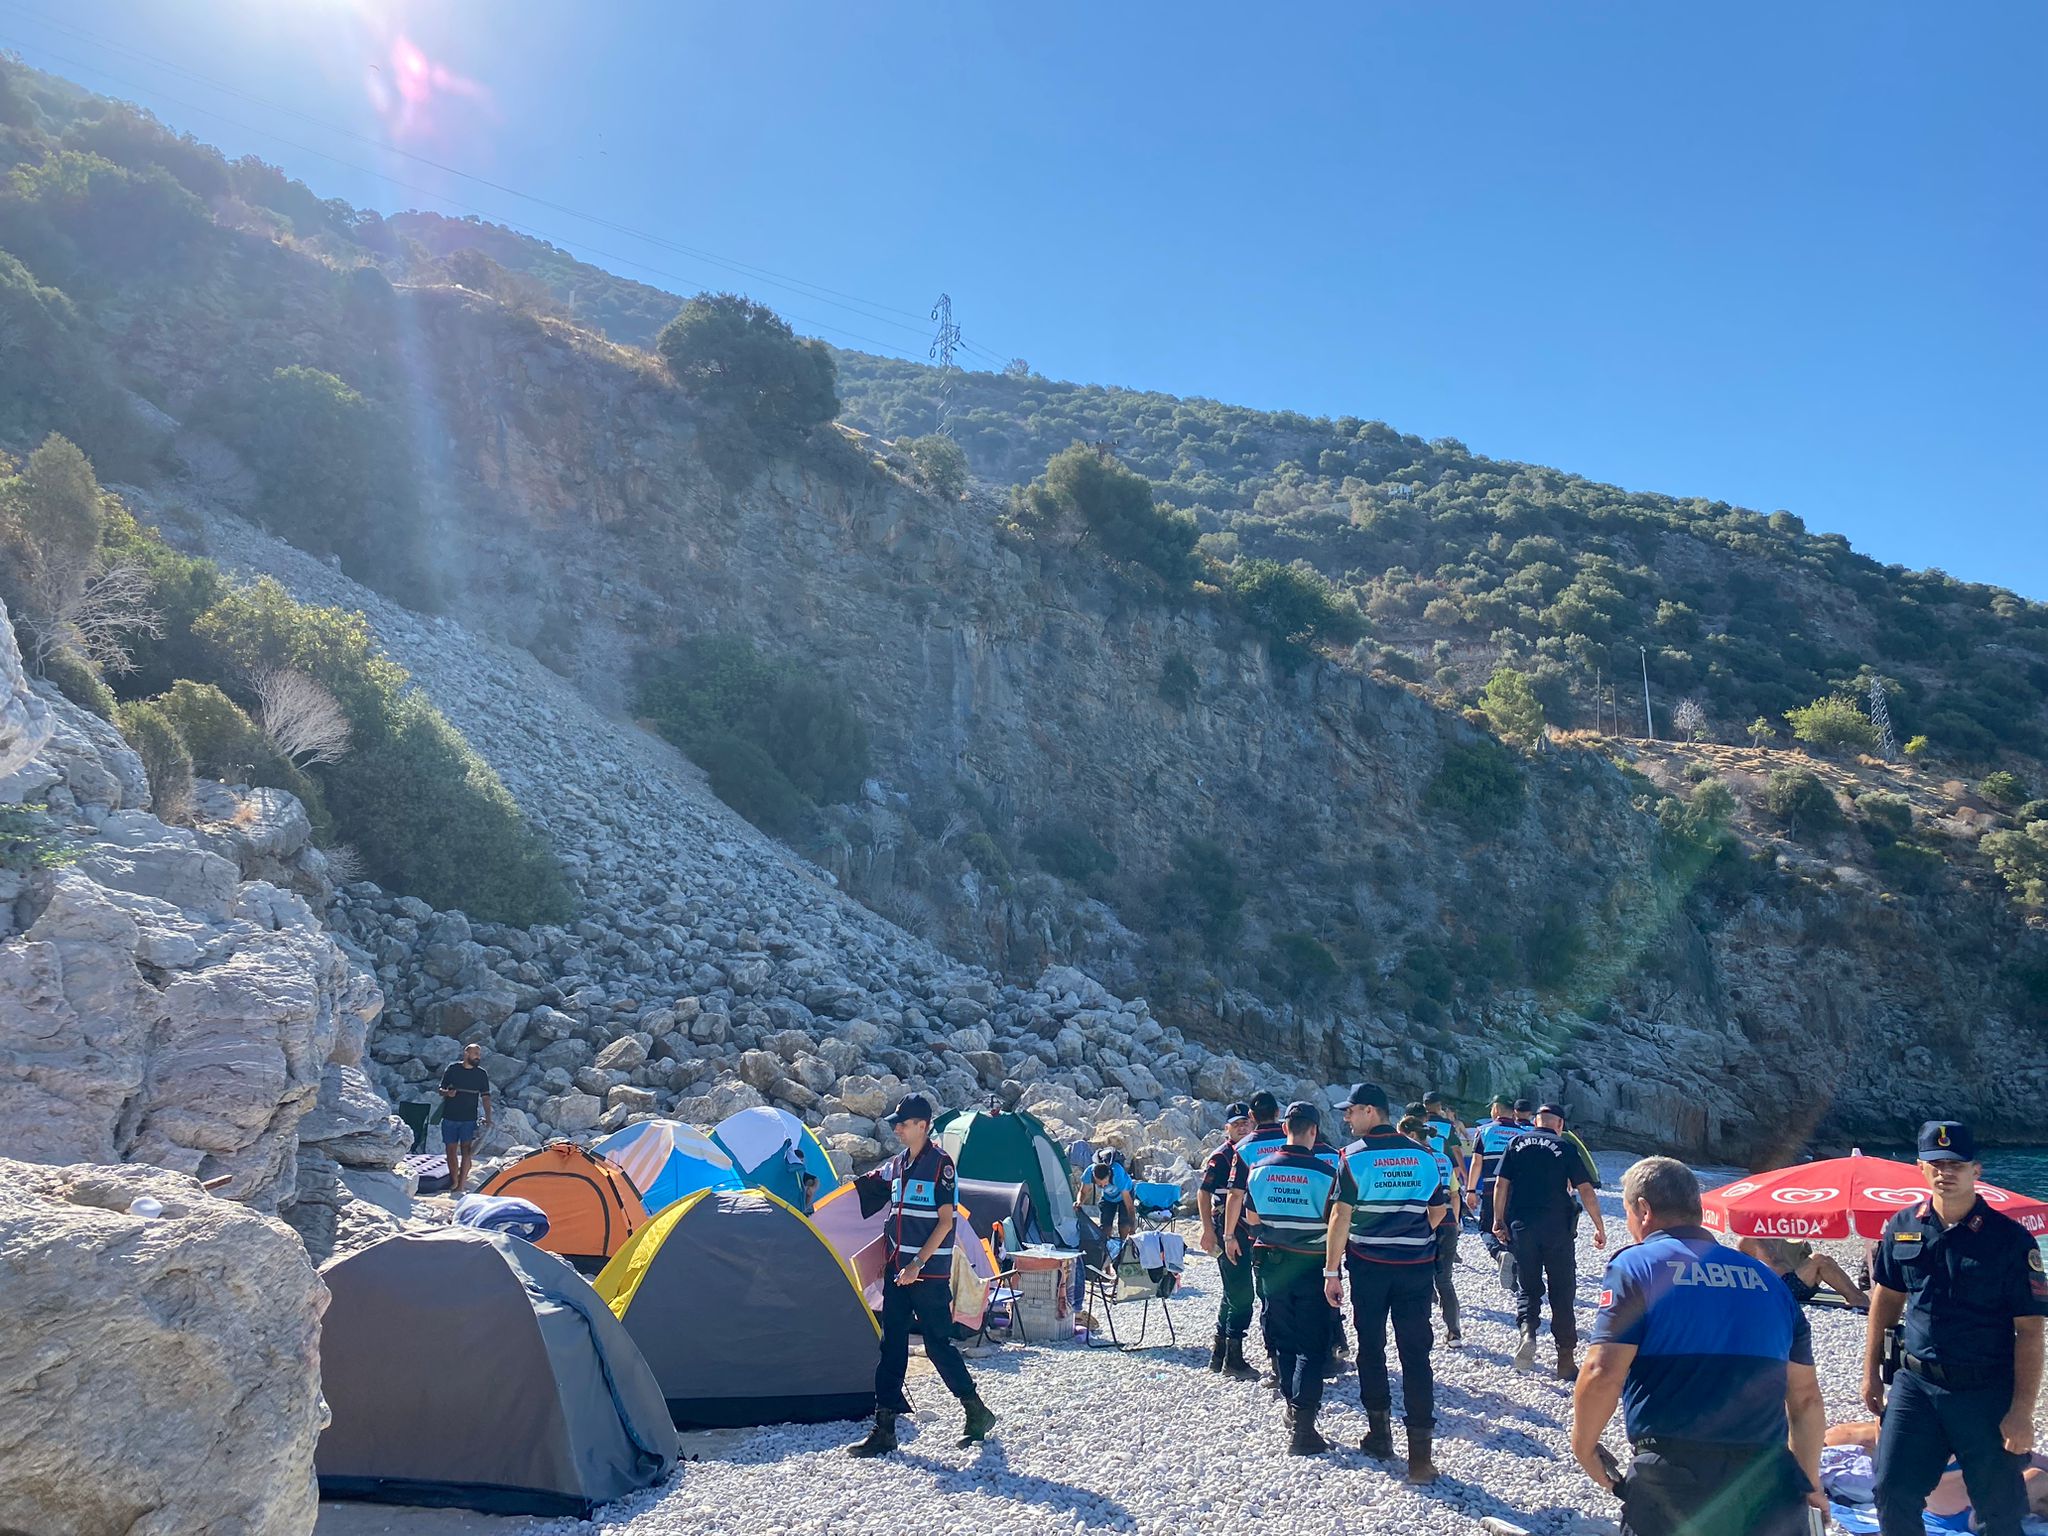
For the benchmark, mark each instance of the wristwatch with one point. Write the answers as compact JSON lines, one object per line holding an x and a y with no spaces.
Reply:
{"x":1333,"y":1274}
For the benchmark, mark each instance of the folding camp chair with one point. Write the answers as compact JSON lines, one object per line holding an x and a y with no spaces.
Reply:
{"x":1122,"y":1280}
{"x":1158,"y":1204}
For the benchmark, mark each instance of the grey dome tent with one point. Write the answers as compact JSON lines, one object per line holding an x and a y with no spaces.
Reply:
{"x":469,"y":1369}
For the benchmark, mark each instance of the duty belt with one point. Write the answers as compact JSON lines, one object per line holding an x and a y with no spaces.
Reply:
{"x":1957,"y":1378}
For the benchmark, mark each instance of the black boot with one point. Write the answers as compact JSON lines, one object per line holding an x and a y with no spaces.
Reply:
{"x":1379,"y":1434}
{"x":881,"y":1439}
{"x":1304,"y":1440}
{"x":1420,"y":1468}
{"x":978,"y":1423}
{"x":1216,"y":1351}
{"x":1234,"y":1363}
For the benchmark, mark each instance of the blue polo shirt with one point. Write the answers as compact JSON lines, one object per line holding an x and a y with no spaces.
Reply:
{"x":1714,"y":1331}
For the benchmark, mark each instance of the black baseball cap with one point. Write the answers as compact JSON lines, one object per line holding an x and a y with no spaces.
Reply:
{"x":1501,"y":1101}
{"x":1947,"y":1141}
{"x":1264,"y":1106}
{"x":1364,"y":1095}
{"x":1434,"y":1096}
{"x":1301,"y":1115}
{"x":1415,"y":1107}
{"x":912,"y":1106}
{"x":1521,"y":1106}
{"x":1550,"y":1109}
{"x":1237,"y":1110}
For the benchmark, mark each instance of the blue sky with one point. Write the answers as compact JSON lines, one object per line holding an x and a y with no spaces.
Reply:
{"x":1785,"y":256}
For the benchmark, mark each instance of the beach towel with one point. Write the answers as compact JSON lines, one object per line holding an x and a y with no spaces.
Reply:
{"x":503,"y":1213}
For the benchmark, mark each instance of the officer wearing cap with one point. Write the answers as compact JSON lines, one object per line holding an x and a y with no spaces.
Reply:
{"x":1711,"y":1361}
{"x":1234,"y":1312}
{"x":1968,"y":1282}
{"x":917,"y":1187}
{"x":1266,"y":1135}
{"x":1391,"y":1196}
{"x":1290,"y":1191}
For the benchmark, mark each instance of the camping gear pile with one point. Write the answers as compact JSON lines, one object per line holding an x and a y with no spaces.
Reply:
{"x":735,"y":1283}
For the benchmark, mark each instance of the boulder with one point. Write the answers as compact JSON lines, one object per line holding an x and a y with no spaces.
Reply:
{"x":158,"y":1374}
{"x":622,"y":1055}
{"x":352,"y":1122}
{"x":633,"y":1100}
{"x":870,"y":1096}
{"x":25,"y":723}
{"x":572,"y":1112}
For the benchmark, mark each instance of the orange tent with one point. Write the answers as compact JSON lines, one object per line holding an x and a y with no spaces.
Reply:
{"x":591,"y":1205}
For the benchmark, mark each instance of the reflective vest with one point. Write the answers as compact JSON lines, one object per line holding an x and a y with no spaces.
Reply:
{"x":1291,"y":1189}
{"x":1491,"y":1140}
{"x":1443,"y":1136}
{"x":1263,"y":1139}
{"x":1389,"y":1182}
{"x":917,"y":1188}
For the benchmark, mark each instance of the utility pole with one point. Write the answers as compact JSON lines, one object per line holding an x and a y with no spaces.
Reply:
{"x":945,"y":342}
{"x":1881,"y":717}
{"x":1597,"y":731}
{"x":1649,"y":721}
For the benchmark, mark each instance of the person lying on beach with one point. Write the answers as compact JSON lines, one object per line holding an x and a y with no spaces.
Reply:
{"x":1804,"y":1271}
{"x":1847,"y":1474}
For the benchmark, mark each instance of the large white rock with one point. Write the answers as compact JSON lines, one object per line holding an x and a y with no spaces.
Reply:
{"x":158,"y":1375}
{"x":24,"y":718}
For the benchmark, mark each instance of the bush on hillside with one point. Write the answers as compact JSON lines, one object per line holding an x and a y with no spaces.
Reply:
{"x":2002,"y":788}
{"x":1291,"y":606}
{"x":1066,"y":848}
{"x":1178,"y":684}
{"x":1886,"y":814}
{"x":746,"y":778}
{"x":53,"y":372}
{"x":428,"y":816}
{"x":78,"y":682}
{"x":1801,"y":802}
{"x":1911,"y":868}
{"x":719,"y":685}
{"x":1833,"y":724}
{"x":1301,"y":966}
{"x":164,"y":759}
{"x":2022,"y":858}
{"x":1511,"y":707}
{"x":736,"y":355}
{"x":81,"y":222}
{"x":939,"y":463}
{"x":1479,"y":787}
{"x":1203,"y":892}
{"x":334,"y":474}
{"x":1086,"y":497}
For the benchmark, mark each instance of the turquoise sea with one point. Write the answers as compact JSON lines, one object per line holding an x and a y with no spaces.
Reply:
{"x":2023,"y":1170}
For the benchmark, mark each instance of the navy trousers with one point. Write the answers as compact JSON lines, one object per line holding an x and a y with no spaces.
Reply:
{"x":1401,"y":1292}
{"x":1296,"y":1322}
{"x":929,"y":1304}
{"x":1923,"y":1426}
{"x":1546,"y":1259}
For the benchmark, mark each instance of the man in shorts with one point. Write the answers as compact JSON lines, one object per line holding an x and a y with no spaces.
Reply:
{"x":464,"y":1087}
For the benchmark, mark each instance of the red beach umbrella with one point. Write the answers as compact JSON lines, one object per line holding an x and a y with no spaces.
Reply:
{"x":1851,"y":1196}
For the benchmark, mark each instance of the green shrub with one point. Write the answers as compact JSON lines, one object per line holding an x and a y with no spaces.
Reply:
{"x":1713,"y":802}
{"x":1479,"y":787}
{"x":720,"y":685}
{"x":2002,"y":788}
{"x":2032,"y":811}
{"x":1555,"y":947}
{"x":1511,"y":707}
{"x":734,"y":354}
{"x":1918,"y":747}
{"x":1425,"y":975}
{"x":1203,"y":892}
{"x":1886,"y":813}
{"x":224,"y":742}
{"x":1911,"y":868}
{"x":986,"y":855}
{"x":1087,"y":497}
{"x":1289,"y":605}
{"x":1178,"y":683}
{"x":746,"y":778}
{"x":164,"y":758}
{"x":1066,"y":848}
{"x":428,"y":815}
{"x":78,"y":682}
{"x":1833,"y":724}
{"x":2022,"y":858}
{"x":1800,"y":801}
{"x":1301,"y":965}
{"x":940,"y":464}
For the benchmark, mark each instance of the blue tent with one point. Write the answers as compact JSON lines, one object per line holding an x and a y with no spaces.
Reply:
{"x":667,"y":1160}
{"x":773,"y":1150}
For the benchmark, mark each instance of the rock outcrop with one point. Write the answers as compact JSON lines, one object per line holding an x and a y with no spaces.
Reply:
{"x":159,"y":1006}
{"x":158,"y":1371}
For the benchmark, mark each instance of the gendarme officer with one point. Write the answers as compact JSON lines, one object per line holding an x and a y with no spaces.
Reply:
{"x":1969,"y":1284}
{"x":1234,"y":1315}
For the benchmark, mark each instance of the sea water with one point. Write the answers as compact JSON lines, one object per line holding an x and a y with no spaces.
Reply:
{"x":2023,"y":1170}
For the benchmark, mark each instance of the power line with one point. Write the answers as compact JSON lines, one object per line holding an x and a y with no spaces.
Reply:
{"x":889,"y":347}
{"x":836,"y":298}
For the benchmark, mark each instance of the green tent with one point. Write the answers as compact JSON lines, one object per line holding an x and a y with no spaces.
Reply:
{"x":1013,"y":1148}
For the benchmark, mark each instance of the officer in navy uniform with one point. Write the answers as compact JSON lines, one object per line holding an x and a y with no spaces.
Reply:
{"x":1234,"y":1312}
{"x":1290,"y":1192}
{"x":1540,"y":1177}
{"x":1969,"y":1284}
{"x":1711,"y":1360}
{"x":917,"y":1186}
{"x":1446,"y":1136}
{"x":1490,"y":1139}
{"x":1391,"y":1197}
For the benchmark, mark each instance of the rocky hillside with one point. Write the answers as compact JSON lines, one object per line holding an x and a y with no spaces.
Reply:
{"x":1301,"y":858}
